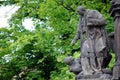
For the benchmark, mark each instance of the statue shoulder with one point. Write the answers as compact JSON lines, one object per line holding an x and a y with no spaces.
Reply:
{"x":93,"y":13}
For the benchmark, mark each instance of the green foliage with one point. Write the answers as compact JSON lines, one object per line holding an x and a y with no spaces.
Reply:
{"x":112,"y":62}
{"x":39,"y":54}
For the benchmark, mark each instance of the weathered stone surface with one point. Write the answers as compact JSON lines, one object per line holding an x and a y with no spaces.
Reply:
{"x":74,"y":64}
{"x":96,"y":77}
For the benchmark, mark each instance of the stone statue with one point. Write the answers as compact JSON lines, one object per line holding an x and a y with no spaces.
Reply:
{"x":94,"y":47}
{"x":74,"y":64}
{"x":115,"y":13}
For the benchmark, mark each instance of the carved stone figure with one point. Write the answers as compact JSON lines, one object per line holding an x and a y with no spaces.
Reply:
{"x":115,"y":13}
{"x":94,"y":45}
{"x":74,"y":64}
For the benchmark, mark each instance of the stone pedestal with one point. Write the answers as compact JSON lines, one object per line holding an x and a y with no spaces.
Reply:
{"x":96,"y":77}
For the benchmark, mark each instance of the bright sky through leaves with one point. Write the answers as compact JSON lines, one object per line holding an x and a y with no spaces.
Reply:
{"x":6,"y":13}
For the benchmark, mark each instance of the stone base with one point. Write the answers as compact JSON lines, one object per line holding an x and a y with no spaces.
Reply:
{"x":95,"y":77}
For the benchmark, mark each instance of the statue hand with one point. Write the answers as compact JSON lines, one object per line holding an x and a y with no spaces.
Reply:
{"x":72,"y":42}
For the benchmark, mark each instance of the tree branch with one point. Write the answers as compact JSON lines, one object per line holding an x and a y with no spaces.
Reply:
{"x":67,"y":6}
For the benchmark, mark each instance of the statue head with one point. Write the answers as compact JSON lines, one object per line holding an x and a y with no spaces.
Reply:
{"x":81,"y":10}
{"x":68,"y":60}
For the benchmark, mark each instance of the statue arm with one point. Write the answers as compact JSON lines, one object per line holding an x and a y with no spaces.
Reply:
{"x":77,"y":36}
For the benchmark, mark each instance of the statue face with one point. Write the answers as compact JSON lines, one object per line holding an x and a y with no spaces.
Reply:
{"x":81,"y":10}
